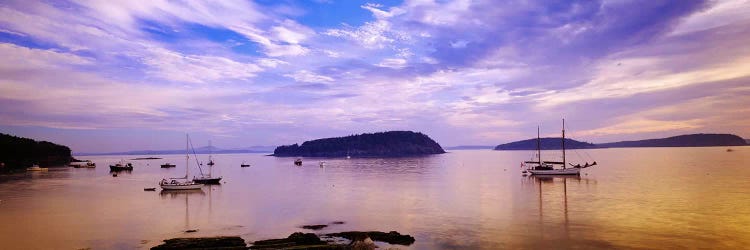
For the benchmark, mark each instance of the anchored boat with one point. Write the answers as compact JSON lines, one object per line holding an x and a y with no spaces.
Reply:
{"x":540,"y":167}
{"x":168,"y":165}
{"x":181,"y":183}
{"x":121,"y":166}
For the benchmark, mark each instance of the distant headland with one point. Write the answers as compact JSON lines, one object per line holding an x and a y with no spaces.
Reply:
{"x":546,"y":143}
{"x":691,"y":140}
{"x":18,"y":152}
{"x":382,"y":144}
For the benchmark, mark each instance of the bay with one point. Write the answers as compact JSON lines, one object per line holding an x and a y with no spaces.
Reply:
{"x":464,"y":199}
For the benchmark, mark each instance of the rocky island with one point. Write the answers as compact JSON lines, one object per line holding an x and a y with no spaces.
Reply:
{"x":692,"y":140}
{"x":20,"y":153}
{"x":546,"y":144}
{"x":382,"y":144}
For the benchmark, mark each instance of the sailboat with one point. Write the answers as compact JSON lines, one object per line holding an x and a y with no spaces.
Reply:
{"x":207,"y":178}
{"x":540,"y":167}
{"x":181,"y":183}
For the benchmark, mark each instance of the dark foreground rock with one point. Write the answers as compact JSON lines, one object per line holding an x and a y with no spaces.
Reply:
{"x":359,"y":240}
{"x":391,"y":237}
{"x":224,"y":243}
{"x":295,"y":241}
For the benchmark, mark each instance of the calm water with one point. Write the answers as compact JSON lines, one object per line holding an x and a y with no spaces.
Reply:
{"x":635,"y":198}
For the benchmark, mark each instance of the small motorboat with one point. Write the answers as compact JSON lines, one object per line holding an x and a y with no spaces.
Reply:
{"x":168,"y":165}
{"x":149,"y":189}
{"x":322,"y":164}
{"x":244,"y":165}
{"x":730,"y":150}
{"x":36,"y":168}
{"x":298,"y":162}
{"x":83,"y":164}
{"x":121,"y":166}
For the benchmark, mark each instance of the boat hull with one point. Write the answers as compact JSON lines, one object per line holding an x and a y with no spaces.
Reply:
{"x":168,"y":166}
{"x":567,"y":171}
{"x":115,"y":168}
{"x":208,"y":180}
{"x":181,"y":186}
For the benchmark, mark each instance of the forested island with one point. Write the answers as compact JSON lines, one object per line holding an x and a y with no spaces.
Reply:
{"x":18,"y":152}
{"x":382,"y":144}
{"x":692,"y":140}
{"x":546,"y":143}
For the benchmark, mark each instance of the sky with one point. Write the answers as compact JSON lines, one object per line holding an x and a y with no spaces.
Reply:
{"x":105,"y":76}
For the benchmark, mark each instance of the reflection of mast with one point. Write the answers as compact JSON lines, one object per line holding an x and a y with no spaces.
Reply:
{"x":187,"y":214}
{"x":209,"y":203}
{"x":541,"y":213}
{"x":565,"y":195}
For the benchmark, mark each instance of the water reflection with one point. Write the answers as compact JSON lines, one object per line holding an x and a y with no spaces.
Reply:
{"x":176,"y":194}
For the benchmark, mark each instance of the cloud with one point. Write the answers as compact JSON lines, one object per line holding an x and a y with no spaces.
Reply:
{"x":394,"y":63}
{"x":178,"y":67}
{"x":37,"y":58}
{"x":307,"y":76}
{"x":291,"y":32}
{"x":721,"y":14}
{"x":270,"y":62}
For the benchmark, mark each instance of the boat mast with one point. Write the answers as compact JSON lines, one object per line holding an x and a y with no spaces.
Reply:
{"x":187,"y":155}
{"x":210,"y":166}
{"x":563,"y":141}
{"x":538,"y":146}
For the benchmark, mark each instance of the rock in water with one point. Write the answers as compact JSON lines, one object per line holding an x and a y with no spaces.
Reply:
{"x":391,"y":237}
{"x":296,"y":240}
{"x":228,"y":243}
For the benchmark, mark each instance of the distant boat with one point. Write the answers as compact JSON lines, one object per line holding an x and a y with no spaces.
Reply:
{"x":210,"y":154}
{"x":207,"y":178}
{"x":243,"y":165}
{"x":83,"y":164}
{"x":540,"y":167}
{"x":36,"y":168}
{"x":730,"y":150}
{"x":298,"y":162}
{"x":322,"y":164}
{"x":121,"y":166}
{"x":168,"y":165}
{"x":181,"y":183}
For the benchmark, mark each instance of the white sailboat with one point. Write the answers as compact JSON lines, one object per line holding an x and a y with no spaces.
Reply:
{"x":547,"y":167}
{"x":181,"y":183}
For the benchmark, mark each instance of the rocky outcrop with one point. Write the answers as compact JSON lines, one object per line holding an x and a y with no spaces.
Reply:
{"x":224,"y":243}
{"x":296,"y":240}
